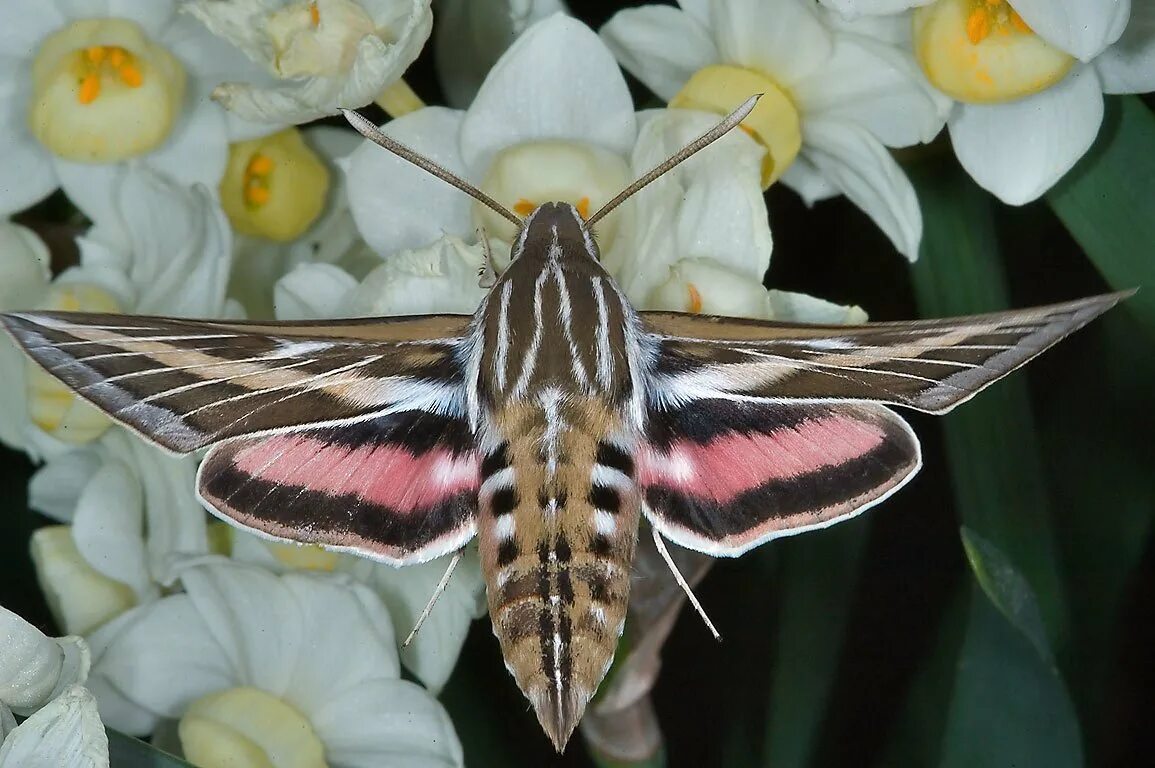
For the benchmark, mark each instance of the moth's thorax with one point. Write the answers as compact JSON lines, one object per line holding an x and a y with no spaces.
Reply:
{"x":556,"y":318}
{"x":557,"y":527}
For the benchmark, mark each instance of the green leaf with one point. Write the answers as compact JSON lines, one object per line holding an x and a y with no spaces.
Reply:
{"x":991,"y":442}
{"x":1009,"y":706}
{"x":128,"y":752}
{"x":1007,"y":590}
{"x":819,"y":575}
{"x":1107,"y":202}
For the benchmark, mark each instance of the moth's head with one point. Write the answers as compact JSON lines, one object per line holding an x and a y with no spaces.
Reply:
{"x":555,"y":226}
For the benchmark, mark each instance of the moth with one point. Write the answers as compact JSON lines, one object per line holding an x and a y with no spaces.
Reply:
{"x":546,"y":425}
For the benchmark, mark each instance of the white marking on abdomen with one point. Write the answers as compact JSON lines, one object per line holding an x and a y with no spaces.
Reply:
{"x":604,"y":522}
{"x":505,"y":527}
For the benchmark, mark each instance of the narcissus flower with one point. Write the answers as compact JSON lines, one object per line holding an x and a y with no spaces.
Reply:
{"x":554,"y":120}
{"x":84,"y":89}
{"x":324,"y":54}
{"x":257,"y":668}
{"x":833,"y":99}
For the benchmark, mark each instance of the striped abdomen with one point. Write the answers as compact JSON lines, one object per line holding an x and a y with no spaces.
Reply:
{"x":558,"y":523}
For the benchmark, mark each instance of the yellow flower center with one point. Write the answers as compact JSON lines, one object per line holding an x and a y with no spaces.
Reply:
{"x":982,"y":52}
{"x":248,"y":728}
{"x":52,"y":406}
{"x":80,"y":597}
{"x":103,"y":92}
{"x":524,"y":176}
{"x":274,"y":187}
{"x":774,"y":123}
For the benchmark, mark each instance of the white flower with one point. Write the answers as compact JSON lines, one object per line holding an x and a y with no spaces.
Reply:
{"x":66,"y":731}
{"x":300,"y":664}
{"x":331,"y":248}
{"x":131,"y":513}
{"x":404,"y":591}
{"x":698,"y":237}
{"x":472,"y":34}
{"x":325,"y":54}
{"x":1029,"y":76}
{"x":553,"y":121}
{"x":24,"y":279}
{"x":41,"y":678}
{"x":83,"y":89}
{"x":833,"y":99}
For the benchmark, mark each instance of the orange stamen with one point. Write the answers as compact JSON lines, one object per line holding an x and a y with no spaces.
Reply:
{"x":583,"y":207}
{"x":130,"y":76}
{"x":116,"y":56}
{"x":695,"y":299}
{"x":95,"y":54}
{"x":256,"y":194}
{"x":978,"y":25}
{"x":259,"y":165}
{"x":524,"y":207}
{"x":89,"y":88}
{"x":315,"y":14}
{"x":1018,"y":23}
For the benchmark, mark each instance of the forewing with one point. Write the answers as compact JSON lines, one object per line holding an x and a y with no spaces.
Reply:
{"x":400,"y":488}
{"x":722,"y":476}
{"x":929,"y":365}
{"x":185,"y":384}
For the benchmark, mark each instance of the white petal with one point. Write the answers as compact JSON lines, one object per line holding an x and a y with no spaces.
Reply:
{"x":312,"y":291}
{"x":711,"y":206}
{"x":386,"y":722}
{"x":180,"y":241}
{"x":66,"y":732}
{"x":1128,"y":66}
{"x":855,"y":162}
{"x":803,"y":308}
{"x":1082,"y":28}
{"x":24,"y":272}
{"x":471,"y":35}
{"x":1020,"y":149}
{"x":397,"y":205}
{"x":56,"y":486}
{"x":154,"y":16}
{"x":349,"y":641}
{"x":405,"y":591}
{"x":30,"y":665}
{"x":90,"y":186}
{"x":785,"y":39}
{"x":852,"y":9}
{"x":108,"y":527}
{"x":439,"y":278}
{"x":198,"y":149}
{"x":27,"y":174}
{"x":805,"y":179}
{"x":80,"y":597}
{"x":159,"y":657}
{"x":558,"y":81}
{"x":254,"y":620}
{"x":659,"y":45}
{"x":25,"y":27}
{"x":878,"y":86}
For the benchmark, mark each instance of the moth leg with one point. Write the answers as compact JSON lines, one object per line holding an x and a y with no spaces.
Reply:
{"x":487,"y":275}
{"x":437,"y":591}
{"x":665,"y":553}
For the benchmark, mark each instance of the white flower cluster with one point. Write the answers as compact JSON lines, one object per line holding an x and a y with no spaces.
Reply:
{"x":174,"y":128}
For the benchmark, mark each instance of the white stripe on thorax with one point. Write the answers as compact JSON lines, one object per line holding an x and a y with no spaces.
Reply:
{"x":565,"y":310}
{"x":501,"y":354}
{"x":605,"y":354}
{"x":530,"y":361}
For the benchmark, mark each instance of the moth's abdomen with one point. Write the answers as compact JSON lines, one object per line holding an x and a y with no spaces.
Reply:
{"x":557,"y":529}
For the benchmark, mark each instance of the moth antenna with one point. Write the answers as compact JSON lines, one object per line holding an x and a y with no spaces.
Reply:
{"x":373,"y":134}
{"x":706,"y":139}
{"x":440,"y":588}
{"x":682,"y":582}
